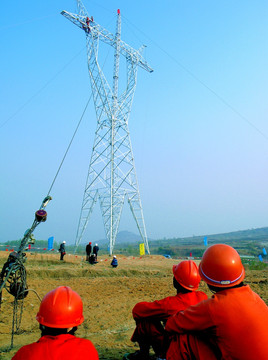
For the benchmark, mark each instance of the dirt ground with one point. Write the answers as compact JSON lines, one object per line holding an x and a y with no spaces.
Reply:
{"x":108,"y":295}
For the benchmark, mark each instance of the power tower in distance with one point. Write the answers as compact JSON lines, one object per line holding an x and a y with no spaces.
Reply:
{"x":111,"y":176}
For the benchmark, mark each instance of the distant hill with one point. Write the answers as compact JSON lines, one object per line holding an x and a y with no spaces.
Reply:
{"x":260,"y":234}
{"x":123,"y":237}
{"x":247,"y":242}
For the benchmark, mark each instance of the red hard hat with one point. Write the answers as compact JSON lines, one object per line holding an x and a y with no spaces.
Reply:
{"x":187,"y":275}
{"x":221,"y":266}
{"x":61,"y":308}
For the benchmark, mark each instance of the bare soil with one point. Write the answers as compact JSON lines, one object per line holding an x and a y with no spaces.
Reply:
{"x":108,"y":295}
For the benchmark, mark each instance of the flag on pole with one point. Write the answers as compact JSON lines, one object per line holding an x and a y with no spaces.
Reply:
{"x":142,"y":249}
{"x":260,"y":258}
{"x":264,"y":251}
{"x":205,"y":241}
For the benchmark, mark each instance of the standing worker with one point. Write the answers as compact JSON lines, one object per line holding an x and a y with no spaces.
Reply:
{"x":62,"y":250}
{"x":150,"y":316}
{"x":60,"y":312}
{"x":232,"y":324}
{"x":96,"y":250}
{"x":88,"y":251}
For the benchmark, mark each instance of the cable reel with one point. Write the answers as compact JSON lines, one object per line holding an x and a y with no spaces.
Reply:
{"x":15,"y":274}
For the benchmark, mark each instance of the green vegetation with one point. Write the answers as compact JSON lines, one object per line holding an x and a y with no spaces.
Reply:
{"x":246,"y":242}
{"x":254,"y":265}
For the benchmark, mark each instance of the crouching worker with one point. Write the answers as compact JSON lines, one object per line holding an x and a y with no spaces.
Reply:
{"x":150,"y":316}
{"x":232,"y":324}
{"x":114,"y":262}
{"x":92,"y":259}
{"x":60,"y":312}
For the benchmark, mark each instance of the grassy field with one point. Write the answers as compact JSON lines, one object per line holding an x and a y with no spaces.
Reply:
{"x":108,"y":295}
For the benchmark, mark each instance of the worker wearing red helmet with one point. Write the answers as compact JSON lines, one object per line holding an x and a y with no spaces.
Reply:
{"x":149,"y":316}
{"x":60,"y":312}
{"x":232,"y":324}
{"x":88,"y":251}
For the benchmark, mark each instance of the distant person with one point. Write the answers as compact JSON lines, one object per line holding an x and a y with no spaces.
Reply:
{"x":62,"y":250}
{"x":60,"y":312}
{"x":151,"y":316}
{"x":92,"y":259}
{"x":232,"y":324}
{"x":96,"y":250}
{"x":114,"y":262}
{"x":88,"y":250}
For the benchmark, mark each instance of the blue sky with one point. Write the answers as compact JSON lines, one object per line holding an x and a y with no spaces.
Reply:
{"x":198,"y":124}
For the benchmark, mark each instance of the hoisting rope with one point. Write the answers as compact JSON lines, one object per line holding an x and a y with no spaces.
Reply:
{"x":69,"y":145}
{"x":13,"y":274}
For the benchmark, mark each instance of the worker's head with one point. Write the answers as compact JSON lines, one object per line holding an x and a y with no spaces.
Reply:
{"x":96,"y":244}
{"x":64,"y":242}
{"x":221,"y":267}
{"x":114,"y":256}
{"x":89,"y":243}
{"x":186,"y":274}
{"x":61,"y":309}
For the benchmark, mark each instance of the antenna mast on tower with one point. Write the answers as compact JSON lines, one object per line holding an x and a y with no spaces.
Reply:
{"x":111,"y":176}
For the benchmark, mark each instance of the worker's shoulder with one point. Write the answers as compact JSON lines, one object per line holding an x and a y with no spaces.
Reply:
{"x":201,"y":294}
{"x":81,"y":341}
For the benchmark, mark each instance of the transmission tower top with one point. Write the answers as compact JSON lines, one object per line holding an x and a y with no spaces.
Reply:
{"x":87,"y":23}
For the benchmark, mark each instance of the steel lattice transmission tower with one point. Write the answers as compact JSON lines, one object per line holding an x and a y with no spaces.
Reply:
{"x":111,"y":176}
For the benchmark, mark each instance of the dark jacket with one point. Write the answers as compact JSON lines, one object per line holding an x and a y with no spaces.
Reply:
{"x":88,"y":249}
{"x":114,"y":262}
{"x":95,"y":249}
{"x":62,"y":248}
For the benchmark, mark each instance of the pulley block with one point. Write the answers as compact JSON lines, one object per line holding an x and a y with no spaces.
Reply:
{"x":40,"y":215}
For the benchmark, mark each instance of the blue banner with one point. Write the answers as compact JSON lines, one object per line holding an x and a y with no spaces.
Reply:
{"x":260,"y":258}
{"x":50,"y":243}
{"x":264,"y":251}
{"x":205,"y":241}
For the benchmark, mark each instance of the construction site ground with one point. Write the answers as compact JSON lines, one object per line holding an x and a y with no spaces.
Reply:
{"x":108,"y":294}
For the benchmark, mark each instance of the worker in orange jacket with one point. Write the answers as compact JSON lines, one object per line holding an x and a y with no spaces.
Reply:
{"x":150,"y":316}
{"x":60,"y":312}
{"x":230,"y":325}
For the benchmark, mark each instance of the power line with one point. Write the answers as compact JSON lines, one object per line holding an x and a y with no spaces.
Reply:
{"x":12,"y":25}
{"x":195,"y":77}
{"x":41,"y":89}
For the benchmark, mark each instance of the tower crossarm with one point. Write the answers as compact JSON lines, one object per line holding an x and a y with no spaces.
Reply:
{"x":89,"y":26}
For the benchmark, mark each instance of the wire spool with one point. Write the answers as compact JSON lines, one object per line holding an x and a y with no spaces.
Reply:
{"x":18,"y":290}
{"x":16,"y":283}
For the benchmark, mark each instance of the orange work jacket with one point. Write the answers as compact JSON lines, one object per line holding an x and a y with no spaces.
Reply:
{"x":235,"y":319}
{"x":163,"y":309}
{"x":65,"y":346}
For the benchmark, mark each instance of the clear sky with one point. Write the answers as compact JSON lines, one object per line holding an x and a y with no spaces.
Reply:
{"x":198,"y":124}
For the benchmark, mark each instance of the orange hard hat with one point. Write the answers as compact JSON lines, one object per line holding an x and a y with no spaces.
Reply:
{"x":187,"y":275}
{"x":221,"y":266}
{"x":61,"y":308}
